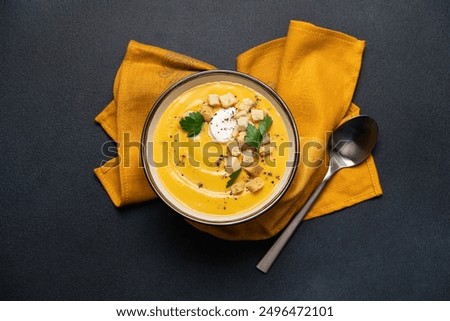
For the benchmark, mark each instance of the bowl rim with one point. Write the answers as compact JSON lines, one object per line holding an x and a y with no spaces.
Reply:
{"x":200,"y":74}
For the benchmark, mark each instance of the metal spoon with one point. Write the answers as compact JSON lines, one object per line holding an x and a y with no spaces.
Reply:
{"x":350,"y":144}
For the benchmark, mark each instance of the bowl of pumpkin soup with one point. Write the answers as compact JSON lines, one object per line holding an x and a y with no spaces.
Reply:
{"x":220,"y":147}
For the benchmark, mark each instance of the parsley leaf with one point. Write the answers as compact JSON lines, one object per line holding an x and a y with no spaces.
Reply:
{"x":233,"y":177}
{"x":253,"y":135}
{"x":192,"y":123}
{"x":264,"y":125}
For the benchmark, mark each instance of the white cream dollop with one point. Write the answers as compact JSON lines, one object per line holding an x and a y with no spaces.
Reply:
{"x":222,"y":125}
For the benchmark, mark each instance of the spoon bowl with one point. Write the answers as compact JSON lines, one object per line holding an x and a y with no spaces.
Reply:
{"x":352,"y":143}
{"x":349,"y":145}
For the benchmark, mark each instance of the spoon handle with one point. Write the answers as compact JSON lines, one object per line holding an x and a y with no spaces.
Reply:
{"x":271,"y":255}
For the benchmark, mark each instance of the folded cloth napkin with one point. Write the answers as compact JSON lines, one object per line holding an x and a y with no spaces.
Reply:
{"x":314,"y":70}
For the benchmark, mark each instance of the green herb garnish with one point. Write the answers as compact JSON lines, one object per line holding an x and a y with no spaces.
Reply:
{"x":254,"y":136}
{"x":192,"y":123}
{"x":233,"y":177}
{"x":264,"y":125}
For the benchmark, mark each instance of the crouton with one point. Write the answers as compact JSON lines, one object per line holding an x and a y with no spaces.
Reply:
{"x":247,"y":158}
{"x":213,"y":100}
{"x":234,"y":149}
{"x":242,"y":123}
{"x":232,"y":164}
{"x":235,"y":132}
{"x":266,"y":149}
{"x":228,"y":100}
{"x":241,"y":138}
{"x":207,"y":113}
{"x":248,"y":101}
{"x":265,"y":139}
{"x":257,"y":115}
{"x":255,"y":184}
{"x":253,"y":170}
{"x":245,"y":105}
{"x":240,"y":114}
{"x":237,"y":188}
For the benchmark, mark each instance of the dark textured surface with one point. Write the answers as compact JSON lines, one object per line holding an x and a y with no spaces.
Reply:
{"x":61,"y":237}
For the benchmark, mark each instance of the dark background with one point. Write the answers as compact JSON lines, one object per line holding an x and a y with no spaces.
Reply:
{"x":61,"y":238}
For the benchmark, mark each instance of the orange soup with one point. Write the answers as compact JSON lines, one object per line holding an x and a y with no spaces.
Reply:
{"x":218,"y":148}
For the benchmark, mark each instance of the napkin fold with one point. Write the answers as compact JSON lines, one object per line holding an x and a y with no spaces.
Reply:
{"x":315,"y":70}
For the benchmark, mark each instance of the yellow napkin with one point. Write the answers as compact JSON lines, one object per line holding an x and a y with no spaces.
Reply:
{"x":315,"y":70}
{"x":146,"y":71}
